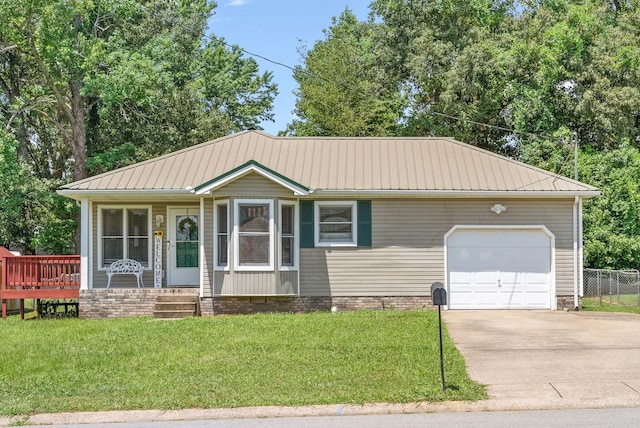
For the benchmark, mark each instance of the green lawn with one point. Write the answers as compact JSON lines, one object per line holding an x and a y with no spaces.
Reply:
{"x":228,"y":361}
{"x":628,"y":303}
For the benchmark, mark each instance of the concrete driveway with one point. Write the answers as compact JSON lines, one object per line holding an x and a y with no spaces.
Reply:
{"x":551,"y":359}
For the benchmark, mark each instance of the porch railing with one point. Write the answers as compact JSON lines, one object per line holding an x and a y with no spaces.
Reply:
{"x":39,"y":277}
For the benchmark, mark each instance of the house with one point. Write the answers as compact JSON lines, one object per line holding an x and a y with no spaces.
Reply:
{"x":251,"y":222}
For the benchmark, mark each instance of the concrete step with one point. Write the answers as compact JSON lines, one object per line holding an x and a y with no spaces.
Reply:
{"x":175,"y":306}
{"x":177,"y":298}
{"x":173,"y":314}
{"x":172,"y":306}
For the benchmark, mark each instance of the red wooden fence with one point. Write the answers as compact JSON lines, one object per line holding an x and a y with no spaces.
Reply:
{"x":39,"y":277}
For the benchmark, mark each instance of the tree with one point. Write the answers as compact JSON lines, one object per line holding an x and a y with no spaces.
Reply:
{"x":342,"y":90}
{"x":114,"y":72}
{"x":445,"y":58}
{"x":88,"y":86}
{"x":32,"y":215}
{"x":612,"y":220}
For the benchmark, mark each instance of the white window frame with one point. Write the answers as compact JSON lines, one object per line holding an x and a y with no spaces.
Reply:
{"x":216,"y":249}
{"x":354,"y":223}
{"x":236,"y":235}
{"x":101,"y":266}
{"x":296,"y":235}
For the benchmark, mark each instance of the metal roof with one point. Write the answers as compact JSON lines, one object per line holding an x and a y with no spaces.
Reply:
{"x":386,"y":165}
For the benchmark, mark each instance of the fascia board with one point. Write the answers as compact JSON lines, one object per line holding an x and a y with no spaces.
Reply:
{"x":457,"y":193}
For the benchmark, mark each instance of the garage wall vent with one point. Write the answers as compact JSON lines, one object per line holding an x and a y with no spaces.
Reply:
{"x":498,"y":208}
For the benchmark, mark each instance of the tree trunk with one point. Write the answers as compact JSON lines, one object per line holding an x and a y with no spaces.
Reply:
{"x":78,"y":131}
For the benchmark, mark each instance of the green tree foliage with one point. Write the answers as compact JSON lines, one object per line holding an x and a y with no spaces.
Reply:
{"x":32,"y":215}
{"x":612,"y":220}
{"x":90,"y":76}
{"x":87,"y":86}
{"x":342,"y":89}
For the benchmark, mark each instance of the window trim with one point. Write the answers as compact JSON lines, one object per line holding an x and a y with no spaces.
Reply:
{"x":236,"y":235}
{"x":354,"y":223}
{"x":216,"y":249}
{"x":296,"y":235}
{"x":101,"y":266}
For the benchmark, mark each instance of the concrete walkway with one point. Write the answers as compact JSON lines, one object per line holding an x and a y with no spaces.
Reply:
{"x":530,"y":360}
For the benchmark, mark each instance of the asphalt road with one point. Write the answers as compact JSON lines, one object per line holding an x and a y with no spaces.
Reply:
{"x":623,"y":417}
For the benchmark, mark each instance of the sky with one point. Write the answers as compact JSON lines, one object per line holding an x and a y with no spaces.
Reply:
{"x":275,"y":29}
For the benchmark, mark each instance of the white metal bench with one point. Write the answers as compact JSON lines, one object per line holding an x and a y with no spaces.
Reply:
{"x":125,"y":267}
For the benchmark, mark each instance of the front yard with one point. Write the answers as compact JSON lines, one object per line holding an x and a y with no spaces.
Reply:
{"x":260,"y":360}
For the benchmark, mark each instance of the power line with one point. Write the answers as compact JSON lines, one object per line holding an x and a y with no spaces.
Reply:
{"x":342,"y":86}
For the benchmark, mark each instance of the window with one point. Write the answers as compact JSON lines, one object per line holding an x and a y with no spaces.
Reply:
{"x":221,"y":233}
{"x":288,"y":232}
{"x":124,"y":233}
{"x":253,"y":237}
{"x":335,"y":223}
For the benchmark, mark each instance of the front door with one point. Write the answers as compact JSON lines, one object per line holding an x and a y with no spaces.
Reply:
{"x":183,"y":254}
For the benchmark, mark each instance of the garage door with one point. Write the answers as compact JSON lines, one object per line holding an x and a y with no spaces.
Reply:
{"x":499,"y":268}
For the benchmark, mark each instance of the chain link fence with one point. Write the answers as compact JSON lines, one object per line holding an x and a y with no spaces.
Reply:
{"x":614,"y":287}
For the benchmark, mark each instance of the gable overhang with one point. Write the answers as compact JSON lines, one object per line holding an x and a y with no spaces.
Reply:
{"x":247,"y":168}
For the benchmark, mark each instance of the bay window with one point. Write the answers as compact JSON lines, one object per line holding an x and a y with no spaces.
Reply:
{"x":288,"y":225}
{"x":221,"y":233}
{"x":253,"y":237}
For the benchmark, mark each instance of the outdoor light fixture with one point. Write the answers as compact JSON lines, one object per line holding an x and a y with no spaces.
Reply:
{"x":159,"y":220}
{"x":498,"y":208}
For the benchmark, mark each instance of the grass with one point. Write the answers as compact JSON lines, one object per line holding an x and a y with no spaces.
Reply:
{"x":259,"y":360}
{"x":628,"y":304}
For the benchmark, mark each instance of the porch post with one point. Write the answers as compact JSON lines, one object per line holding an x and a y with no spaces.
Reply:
{"x":201,"y":239}
{"x":85,"y":233}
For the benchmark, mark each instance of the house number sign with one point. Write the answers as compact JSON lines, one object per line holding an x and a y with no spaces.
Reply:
{"x":157,"y":260}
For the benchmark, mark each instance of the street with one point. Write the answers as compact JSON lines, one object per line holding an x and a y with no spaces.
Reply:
{"x":507,"y":419}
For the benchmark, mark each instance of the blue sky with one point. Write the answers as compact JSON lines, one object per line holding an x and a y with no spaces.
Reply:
{"x":276,"y":29}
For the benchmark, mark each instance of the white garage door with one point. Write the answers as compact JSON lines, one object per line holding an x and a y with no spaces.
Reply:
{"x":499,"y":269}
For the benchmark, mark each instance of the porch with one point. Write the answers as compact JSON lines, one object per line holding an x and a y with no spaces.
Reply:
{"x":38,"y":277}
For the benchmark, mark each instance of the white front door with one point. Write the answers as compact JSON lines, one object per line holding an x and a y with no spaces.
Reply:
{"x":499,"y":269}
{"x":183,"y":255}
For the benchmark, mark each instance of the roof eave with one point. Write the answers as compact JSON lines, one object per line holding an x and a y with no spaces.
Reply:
{"x":458,"y":193}
{"x":79,"y":194}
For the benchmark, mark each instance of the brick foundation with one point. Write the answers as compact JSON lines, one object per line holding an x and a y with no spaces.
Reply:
{"x":250,"y":305}
{"x":568,"y":302}
{"x":121,"y":303}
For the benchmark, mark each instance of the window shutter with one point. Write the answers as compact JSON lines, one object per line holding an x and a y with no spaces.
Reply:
{"x":306,"y":225}
{"x":364,"y":223}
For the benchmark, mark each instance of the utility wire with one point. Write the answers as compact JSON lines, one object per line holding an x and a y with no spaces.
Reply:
{"x":343,"y":86}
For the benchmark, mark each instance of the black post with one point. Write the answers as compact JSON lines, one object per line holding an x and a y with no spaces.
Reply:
{"x":444,"y":388}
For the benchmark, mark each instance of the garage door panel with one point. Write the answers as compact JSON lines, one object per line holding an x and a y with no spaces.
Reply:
{"x":499,"y":269}
{"x":486,"y":298}
{"x":510,"y":300}
{"x":464,"y":299}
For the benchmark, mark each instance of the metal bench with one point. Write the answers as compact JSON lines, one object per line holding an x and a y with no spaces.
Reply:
{"x":125,"y":267}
